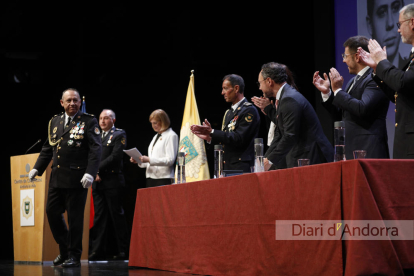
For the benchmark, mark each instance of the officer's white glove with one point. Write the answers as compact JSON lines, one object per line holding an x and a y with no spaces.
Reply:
{"x":87,"y":180}
{"x":32,"y":174}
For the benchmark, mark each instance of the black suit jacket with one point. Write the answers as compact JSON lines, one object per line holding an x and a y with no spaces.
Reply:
{"x":364,"y":110}
{"x":398,"y":86}
{"x":238,"y":139}
{"x":301,"y":135}
{"x":111,"y":166}
{"x":78,"y":152}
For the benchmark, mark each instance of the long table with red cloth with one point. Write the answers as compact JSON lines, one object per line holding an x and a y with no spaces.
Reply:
{"x":226,"y":226}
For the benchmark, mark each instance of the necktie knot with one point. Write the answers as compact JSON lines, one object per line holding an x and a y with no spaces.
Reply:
{"x":68,"y":123}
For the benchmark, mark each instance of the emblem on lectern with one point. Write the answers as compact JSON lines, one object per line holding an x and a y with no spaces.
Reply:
{"x":27,"y":207}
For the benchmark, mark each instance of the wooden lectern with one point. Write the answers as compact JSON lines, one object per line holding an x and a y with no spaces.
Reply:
{"x":36,"y":243}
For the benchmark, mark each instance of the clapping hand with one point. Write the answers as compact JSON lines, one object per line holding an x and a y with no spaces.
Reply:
{"x":322,"y":84}
{"x":377,"y":53}
{"x":336,"y":79}
{"x":261,"y":102}
{"x":202,"y":131}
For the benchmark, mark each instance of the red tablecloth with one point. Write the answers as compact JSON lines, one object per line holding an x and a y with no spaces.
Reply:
{"x":227,"y":226}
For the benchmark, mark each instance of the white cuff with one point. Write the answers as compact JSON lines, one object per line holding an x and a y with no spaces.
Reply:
{"x":325,"y":97}
{"x":337,"y":90}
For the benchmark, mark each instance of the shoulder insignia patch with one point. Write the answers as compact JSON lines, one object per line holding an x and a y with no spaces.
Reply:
{"x":249,"y":118}
{"x":97,"y":131}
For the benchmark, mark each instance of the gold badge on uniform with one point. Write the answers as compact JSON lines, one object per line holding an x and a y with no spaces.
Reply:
{"x":123,"y":141}
{"x":249,"y":118}
{"x":54,"y":130}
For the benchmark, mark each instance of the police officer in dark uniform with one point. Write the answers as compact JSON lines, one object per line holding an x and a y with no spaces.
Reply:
{"x":239,"y":128}
{"x":106,"y":191}
{"x":74,"y":144}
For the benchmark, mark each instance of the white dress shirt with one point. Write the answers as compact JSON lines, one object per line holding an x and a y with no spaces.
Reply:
{"x":236,"y":105}
{"x":272,"y":127}
{"x":67,"y":118}
{"x":162,"y":156}
{"x":271,"y":133}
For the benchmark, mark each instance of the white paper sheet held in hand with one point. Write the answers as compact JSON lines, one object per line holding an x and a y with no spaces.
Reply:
{"x":134,"y":153}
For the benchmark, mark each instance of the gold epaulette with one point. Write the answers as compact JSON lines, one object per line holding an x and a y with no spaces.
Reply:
{"x":48,"y":132}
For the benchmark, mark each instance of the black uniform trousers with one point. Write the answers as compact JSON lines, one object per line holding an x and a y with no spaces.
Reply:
{"x":73,"y":201}
{"x":109,"y":211}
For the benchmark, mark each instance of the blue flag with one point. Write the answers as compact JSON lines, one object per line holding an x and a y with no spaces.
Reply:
{"x":83,"y":108}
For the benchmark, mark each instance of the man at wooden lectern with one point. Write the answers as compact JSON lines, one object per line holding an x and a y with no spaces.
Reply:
{"x":74,"y":144}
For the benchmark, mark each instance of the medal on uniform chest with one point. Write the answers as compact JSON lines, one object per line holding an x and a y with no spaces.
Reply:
{"x":70,"y":143}
{"x":81,"y":130}
{"x":77,"y":131}
{"x":232,"y":125}
{"x":411,"y":62}
{"x":110,"y":139}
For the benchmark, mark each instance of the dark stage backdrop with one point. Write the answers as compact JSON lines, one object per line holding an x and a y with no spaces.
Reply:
{"x":138,"y":59}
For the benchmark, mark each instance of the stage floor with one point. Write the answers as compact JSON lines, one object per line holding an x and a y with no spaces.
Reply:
{"x":114,"y":268}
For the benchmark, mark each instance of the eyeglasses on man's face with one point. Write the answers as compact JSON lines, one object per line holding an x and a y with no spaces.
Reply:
{"x":345,"y":55}
{"x":400,"y":22}
{"x":258,"y":83}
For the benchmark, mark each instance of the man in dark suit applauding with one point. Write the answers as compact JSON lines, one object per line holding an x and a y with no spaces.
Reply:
{"x":75,"y":147}
{"x":362,"y":105}
{"x":106,"y":191}
{"x":397,"y":84}
{"x":301,"y":135}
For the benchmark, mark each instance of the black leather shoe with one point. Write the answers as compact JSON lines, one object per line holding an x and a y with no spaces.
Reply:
{"x":94,"y":256}
{"x":120,"y":256}
{"x":71,"y":262}
{"x":59,"y":260}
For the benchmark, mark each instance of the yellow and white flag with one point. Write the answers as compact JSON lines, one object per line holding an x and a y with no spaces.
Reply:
{"x":196,"y":166}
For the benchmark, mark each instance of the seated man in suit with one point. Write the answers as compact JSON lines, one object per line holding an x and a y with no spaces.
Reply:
{"x":300,"y":132}
{"x":362,"y":105}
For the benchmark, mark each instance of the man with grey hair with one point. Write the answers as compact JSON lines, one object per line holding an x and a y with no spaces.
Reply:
{"x":382,"y":16}
{"x":75,"y":148}
{"x":107,"y":192}
{"x":397,"y":84}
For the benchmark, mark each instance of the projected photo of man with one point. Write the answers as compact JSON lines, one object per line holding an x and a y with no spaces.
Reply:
{"x":382,"y":17}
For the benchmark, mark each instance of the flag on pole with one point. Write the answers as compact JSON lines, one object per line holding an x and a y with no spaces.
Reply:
{"x":196,"y":166}
{"x":92,"y":209}
{"x":83,"y":108}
